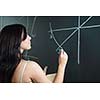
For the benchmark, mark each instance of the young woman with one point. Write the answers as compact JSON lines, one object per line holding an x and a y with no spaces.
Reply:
{"x":13,"y":68}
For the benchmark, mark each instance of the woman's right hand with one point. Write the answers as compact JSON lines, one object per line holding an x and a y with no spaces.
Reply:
{"x":63,"y":58}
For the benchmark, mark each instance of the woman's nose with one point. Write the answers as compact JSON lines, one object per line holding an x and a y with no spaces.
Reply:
{"x":29,"y":37}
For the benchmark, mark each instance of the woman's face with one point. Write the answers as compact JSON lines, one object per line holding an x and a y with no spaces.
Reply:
{"x":26,"y":44}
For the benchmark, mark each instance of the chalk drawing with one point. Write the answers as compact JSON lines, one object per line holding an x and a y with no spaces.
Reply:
{"x":76,"y":29}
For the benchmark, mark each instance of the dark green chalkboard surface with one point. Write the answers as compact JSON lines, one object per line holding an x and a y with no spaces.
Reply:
{"x":79,"y":36}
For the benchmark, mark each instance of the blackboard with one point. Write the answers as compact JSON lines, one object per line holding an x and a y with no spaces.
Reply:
{"x":79,"y":36}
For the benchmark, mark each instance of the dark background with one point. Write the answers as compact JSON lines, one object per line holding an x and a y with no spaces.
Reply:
{"x":44,"y":49}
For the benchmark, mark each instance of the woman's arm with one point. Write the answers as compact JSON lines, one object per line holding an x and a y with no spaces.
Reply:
{"x":39,"y":76}
{"x":63,"y":59}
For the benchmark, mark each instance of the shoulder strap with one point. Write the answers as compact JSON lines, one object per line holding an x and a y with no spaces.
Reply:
{"x":21,"y":75}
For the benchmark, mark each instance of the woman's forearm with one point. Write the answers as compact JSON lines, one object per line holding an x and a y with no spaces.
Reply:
{"x":63,"y":59}
{"x":59,"y":75}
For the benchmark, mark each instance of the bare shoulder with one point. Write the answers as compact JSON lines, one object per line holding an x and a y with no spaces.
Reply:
{"x":34,"y":67}
{"x":33,"y":64}
{"x":36,"y":72}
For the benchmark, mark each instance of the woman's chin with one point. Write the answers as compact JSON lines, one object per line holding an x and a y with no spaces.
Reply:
{"x":29,"y":48}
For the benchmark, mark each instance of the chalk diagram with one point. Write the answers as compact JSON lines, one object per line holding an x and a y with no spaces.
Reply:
{"x":76,"y":31}
{"x":17,"y":20}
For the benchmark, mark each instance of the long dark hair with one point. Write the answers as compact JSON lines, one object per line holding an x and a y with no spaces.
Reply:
{"x":10,"y":55}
